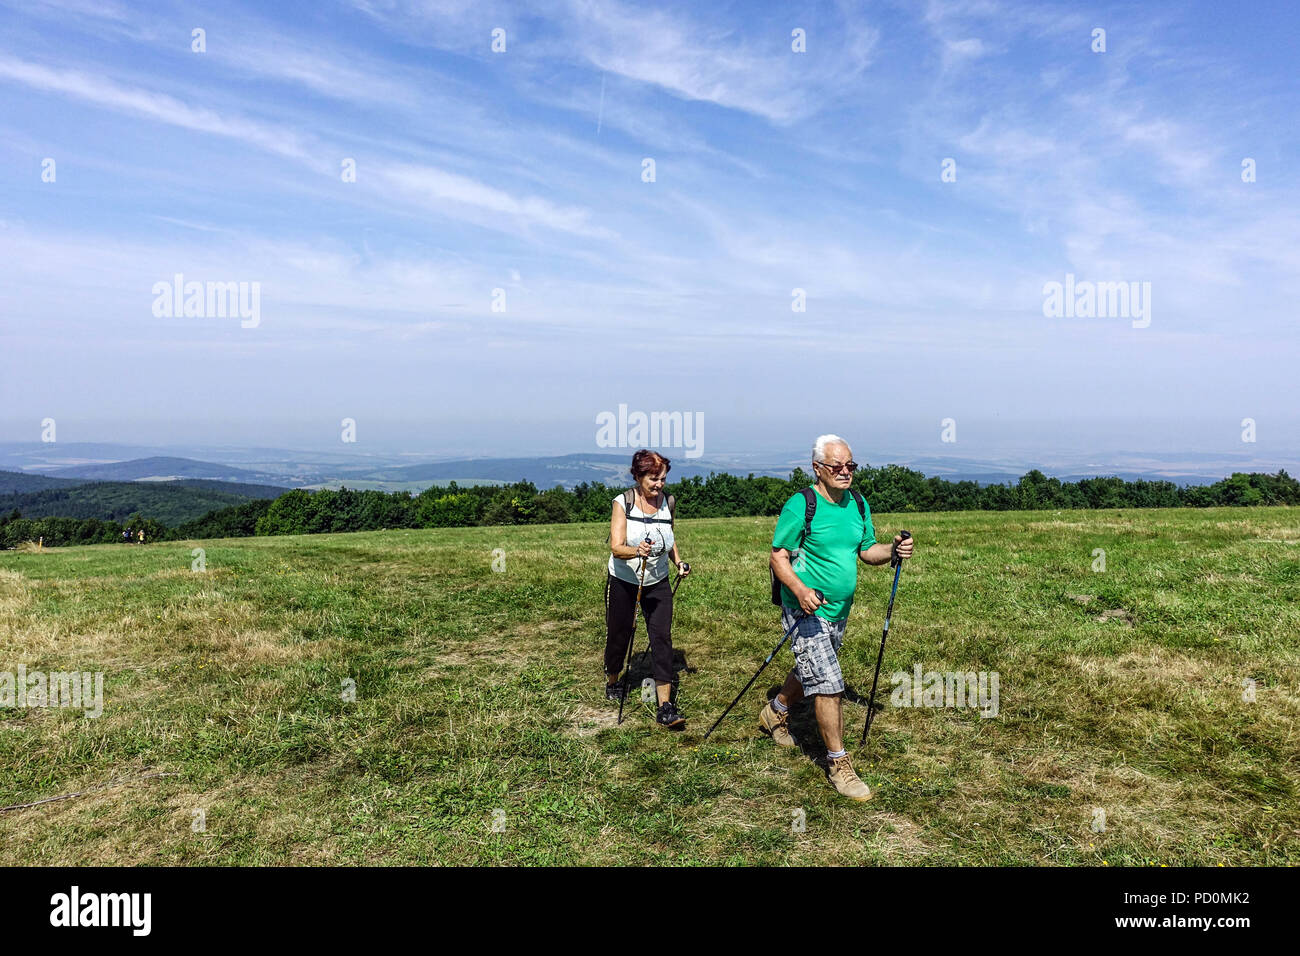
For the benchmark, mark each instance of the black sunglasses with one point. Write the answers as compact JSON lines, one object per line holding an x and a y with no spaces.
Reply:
{"x":850,"y":467}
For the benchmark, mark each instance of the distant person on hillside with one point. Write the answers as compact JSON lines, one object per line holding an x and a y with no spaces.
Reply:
{"x":142,"y":535}
{"x":126,"y":535}
{"x":641,"y":546}
{"x":839,"y":534}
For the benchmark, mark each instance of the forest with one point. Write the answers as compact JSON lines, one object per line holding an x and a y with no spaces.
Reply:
{"x":890,"y":488}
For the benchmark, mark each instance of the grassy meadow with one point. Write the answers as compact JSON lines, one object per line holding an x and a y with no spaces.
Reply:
{"x":478,"y":701}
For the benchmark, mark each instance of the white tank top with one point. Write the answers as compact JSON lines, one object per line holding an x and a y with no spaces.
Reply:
{"x":660,"y":528}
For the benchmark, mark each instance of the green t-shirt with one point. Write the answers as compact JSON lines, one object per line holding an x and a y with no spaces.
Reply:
{"x":829,"y":561}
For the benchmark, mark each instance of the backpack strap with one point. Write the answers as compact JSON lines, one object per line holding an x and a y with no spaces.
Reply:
{"x":862,"y":510}
{"x":862,"y":504}
{"x":629,"y":500}
{"x":810,"y":508}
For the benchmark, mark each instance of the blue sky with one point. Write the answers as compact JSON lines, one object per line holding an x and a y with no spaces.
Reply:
{"x":774,"y":170}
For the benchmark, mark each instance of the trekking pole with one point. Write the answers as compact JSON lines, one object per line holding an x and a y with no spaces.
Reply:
{"x":897,"y":563}
{"x":820,"y":597}
{"x":679,"y":578}
{"x":673,"y":696}
{"x":627,"y":671}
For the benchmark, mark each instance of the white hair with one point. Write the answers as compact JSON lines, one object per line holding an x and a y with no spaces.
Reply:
{"x":819,"y":446}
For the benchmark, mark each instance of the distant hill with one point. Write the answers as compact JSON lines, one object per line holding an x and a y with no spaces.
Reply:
{"x":566,"y":470}
{"x":45,"y":463}
{"x":171,"y":502}
{"x":12,"y":482}
{"x":162,"y":469}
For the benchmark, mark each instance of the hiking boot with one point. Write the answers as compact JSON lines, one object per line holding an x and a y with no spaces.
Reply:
{"x":776,"y":725}
{"x":670,"y":716}
{"x":845,"y":781}
{"x":614,"y":691}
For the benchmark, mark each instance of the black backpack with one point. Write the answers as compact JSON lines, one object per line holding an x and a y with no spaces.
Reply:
{"x":810,"y":508}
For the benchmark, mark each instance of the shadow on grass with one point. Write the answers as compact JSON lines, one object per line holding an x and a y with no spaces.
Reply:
{"x":807,"y":735}
{"x":643,"y":667}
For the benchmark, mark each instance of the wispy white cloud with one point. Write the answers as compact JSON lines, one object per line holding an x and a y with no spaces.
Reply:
{"x":447,"y":192}
{"x":1110,"y":170}
{"x":695,"y":60}
{"x":331,"y":73}
{"x":159,"y":107}
{"x":671,"y":49}
{"x":98,"y":10}
{"x":688,"y":59}
{"x":436,"y":188}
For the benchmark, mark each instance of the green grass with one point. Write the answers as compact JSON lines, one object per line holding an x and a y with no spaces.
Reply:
{"x":478,"y":691}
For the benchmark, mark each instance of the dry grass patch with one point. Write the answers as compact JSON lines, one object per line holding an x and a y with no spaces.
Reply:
{"x":585,"y":721}
{"x":899,"y":837}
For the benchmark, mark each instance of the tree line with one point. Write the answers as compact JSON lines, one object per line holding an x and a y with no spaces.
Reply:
{"x":891,"y":488}
{"x":171,"y":502}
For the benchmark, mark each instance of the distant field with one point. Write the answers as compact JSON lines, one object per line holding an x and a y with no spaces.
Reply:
{"x":1125,"y":691}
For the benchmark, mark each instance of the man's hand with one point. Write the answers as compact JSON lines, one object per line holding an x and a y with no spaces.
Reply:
{"x":808,"y":600}
{"x":902,"y":546}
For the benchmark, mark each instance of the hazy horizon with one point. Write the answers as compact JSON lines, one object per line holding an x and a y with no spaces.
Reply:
{"x":1026,"y":445}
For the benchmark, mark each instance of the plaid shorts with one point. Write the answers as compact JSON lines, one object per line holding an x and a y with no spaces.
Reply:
{"x":816,"y":652}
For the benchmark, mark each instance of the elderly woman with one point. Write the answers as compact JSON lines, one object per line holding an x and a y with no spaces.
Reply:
{"x":641,"y":546}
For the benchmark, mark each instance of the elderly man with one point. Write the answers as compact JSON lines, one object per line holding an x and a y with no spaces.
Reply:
{"x":827,"y":530}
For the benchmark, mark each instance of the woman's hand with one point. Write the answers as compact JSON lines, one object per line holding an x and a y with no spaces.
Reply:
{"x":683,"y":569}
{"x":643,"y":549}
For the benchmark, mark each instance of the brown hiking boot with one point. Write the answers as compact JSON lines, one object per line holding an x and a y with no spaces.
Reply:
{"x":776,"y":725}
{"x":845,"y":781}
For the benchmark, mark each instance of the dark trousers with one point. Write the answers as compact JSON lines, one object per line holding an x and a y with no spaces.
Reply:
{"x":620,"y":620}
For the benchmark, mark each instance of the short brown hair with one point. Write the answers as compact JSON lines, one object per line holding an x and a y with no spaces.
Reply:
{"x":647,"y":462}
